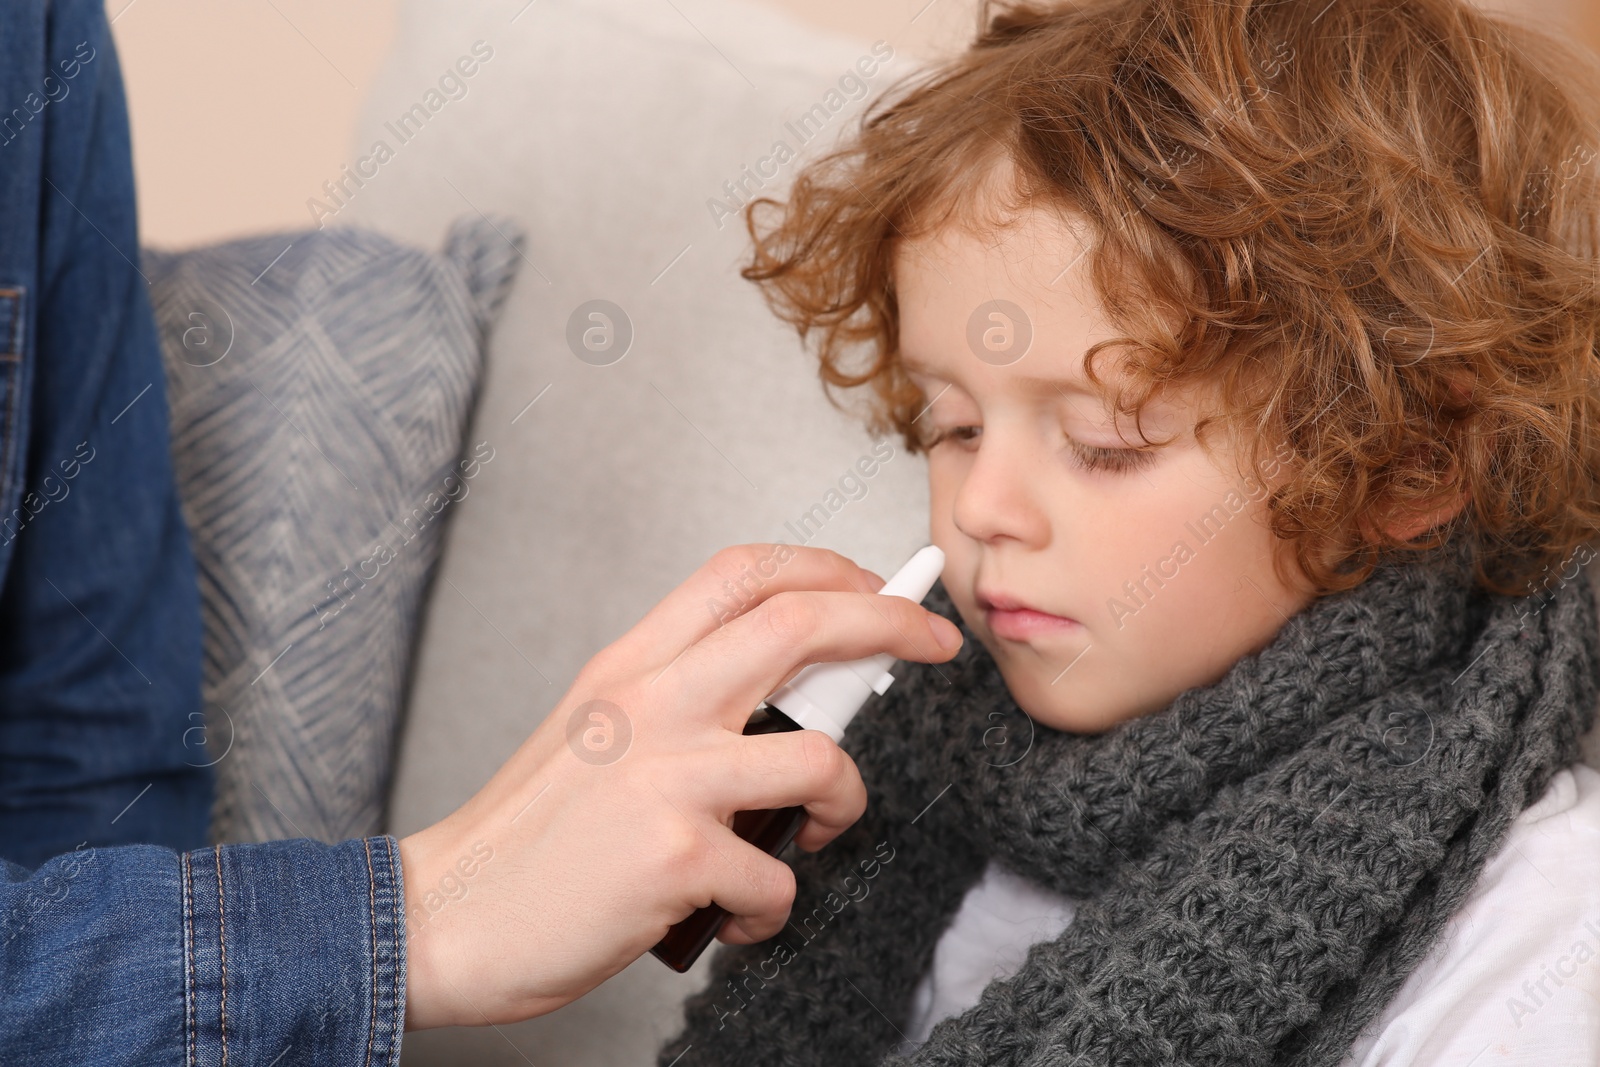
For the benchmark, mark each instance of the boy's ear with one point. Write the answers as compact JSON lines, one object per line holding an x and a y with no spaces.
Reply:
{"x":1413,"y":522}
{"x":1420,"y":521}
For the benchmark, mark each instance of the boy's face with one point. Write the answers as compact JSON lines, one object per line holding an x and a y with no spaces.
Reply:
{"x":1102,"y":591}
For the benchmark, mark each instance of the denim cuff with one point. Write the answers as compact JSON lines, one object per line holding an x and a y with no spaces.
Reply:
{"x":294,"y":953}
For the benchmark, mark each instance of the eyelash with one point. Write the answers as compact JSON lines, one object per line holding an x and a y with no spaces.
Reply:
{"x":1088,"y":457}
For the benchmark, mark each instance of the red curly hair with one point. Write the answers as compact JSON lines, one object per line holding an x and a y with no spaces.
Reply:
{"x":1376,"y":219}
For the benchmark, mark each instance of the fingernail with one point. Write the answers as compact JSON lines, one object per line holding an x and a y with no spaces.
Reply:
{"x":944,"y":631}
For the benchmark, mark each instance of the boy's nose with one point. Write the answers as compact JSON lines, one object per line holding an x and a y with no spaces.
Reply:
{"x":998,"y":499}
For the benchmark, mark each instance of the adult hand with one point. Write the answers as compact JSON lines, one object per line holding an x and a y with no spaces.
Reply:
{"x":599,"y":833}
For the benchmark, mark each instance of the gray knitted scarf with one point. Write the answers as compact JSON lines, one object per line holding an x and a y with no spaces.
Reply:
{"x":1257,"y":867}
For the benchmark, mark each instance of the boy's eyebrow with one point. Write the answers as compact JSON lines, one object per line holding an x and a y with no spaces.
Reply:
{"x":1033,"y":386}
{"x":1055,"y":386}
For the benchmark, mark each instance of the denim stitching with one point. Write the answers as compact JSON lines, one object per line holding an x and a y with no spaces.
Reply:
{"x":188,"y":961}
{"x":395,"y":919}
{"x":372,"y":920}
{"x":222,"y":940}
{"x":372,"y":927}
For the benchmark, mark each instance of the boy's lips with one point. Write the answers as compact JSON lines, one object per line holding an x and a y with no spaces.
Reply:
{"x":1013,"y":620}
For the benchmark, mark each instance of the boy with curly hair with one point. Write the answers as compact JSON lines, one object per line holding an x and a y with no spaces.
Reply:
{"x":1253,"y":350}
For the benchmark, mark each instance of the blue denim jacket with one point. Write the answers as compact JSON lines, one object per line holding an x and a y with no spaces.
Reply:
{"x":134,"y":943}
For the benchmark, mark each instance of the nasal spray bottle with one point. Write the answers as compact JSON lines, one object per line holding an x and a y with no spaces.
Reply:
{"x":823,"y":696}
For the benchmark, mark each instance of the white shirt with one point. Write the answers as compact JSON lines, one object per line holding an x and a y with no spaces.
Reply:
{"x":1513,"y":979}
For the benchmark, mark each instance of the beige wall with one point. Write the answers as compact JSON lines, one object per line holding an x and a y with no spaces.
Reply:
{"x":242,"y":109}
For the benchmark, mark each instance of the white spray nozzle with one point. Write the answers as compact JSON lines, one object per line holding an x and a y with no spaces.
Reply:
{"x":826,"y":696}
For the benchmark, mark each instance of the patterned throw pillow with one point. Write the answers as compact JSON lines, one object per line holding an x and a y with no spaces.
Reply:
{"x":320,"y":385}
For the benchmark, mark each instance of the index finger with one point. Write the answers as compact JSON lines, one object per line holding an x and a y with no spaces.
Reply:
{"x":729,"y":584}
{"x":732,"y":669}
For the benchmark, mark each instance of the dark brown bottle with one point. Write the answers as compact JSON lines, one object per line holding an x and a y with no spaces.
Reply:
{"x":769,"y":829}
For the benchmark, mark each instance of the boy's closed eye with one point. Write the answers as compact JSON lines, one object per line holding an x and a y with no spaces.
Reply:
{"x":1088,"y":457}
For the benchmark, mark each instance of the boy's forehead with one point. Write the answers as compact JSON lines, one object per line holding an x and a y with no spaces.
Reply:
{"x":1039,"y":247}
{"x":949,"y":279}
{"x":1033,"y":274}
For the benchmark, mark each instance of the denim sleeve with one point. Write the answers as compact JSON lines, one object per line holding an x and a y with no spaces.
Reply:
{"x":284,"y":953}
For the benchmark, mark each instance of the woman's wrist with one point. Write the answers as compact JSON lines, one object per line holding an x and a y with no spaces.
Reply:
{"x":421,"y":976}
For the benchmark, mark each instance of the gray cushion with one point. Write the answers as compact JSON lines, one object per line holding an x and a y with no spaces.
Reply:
{"x":320,"y":384}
